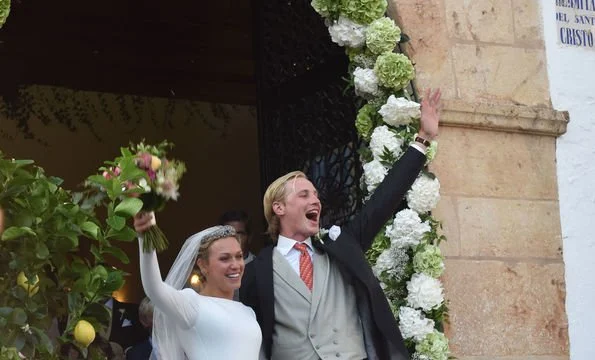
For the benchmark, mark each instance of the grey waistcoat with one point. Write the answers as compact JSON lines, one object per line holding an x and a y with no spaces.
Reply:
{"x":321,"y":324}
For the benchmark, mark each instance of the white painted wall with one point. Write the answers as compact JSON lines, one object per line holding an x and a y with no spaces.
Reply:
{"x":571,"y":72}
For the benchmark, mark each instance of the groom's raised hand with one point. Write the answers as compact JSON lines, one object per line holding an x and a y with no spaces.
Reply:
{"x":430,"y":114}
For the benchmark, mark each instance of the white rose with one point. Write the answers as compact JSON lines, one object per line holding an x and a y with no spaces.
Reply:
{"x":345,"y":32}
{"x":424,"y":292}
{"x":399,"y":111}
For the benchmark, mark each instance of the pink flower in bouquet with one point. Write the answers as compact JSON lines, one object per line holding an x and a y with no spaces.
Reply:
{"x":144,"y":160}
{"x":152,"y":174}
{"x":108,"y":174}
{"x":168,"y":189}
{"x":130,"y":185}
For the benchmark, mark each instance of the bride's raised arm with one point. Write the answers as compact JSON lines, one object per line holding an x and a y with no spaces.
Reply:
{"x":175,"y":304}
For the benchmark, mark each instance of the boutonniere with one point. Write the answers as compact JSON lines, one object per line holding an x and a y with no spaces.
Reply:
{"x":321,"y":234}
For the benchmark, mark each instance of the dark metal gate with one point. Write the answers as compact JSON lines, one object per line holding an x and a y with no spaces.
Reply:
{"x":305,"y":116}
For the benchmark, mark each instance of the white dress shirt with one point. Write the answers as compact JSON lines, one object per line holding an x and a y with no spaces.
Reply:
{"x":291,"y":254}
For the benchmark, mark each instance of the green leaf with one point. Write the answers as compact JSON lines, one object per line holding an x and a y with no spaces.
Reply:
{"x":115,"y":280}
{"x":126,"y":234}
{"x":98,"y":311}
{"x":74,"y":301}
{"x":44,"y":340}
{"x":95,"y":251}
{"x":5,"y":311}
{"x":404,"y":38}
{"x":129,"y":207}
{"x":117,"y":253}
{"x":19,"y":342}
{"x":98,"y":180}
{"x":21,"y":163}
{"x":90,"y":228}
{"x":99,"y":272}
{"x":116,"y":222}
{"x":42,"y":251}
{"x":15,"y":232}
{"x":18,"y":317}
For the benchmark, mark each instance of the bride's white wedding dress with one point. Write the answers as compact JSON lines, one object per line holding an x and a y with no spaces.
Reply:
{"x":205,"y":327}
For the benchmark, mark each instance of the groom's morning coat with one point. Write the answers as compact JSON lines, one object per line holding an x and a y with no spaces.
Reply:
{"x":347,"y":252}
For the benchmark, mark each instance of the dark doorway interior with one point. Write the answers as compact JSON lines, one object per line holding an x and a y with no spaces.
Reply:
{"x":146,"y":61}
{"x":197,"y":50}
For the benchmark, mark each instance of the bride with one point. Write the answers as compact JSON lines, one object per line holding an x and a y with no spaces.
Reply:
{"x":209,"y":325}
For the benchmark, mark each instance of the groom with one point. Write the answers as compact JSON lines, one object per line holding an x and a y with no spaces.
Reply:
{"x":319,"y":299}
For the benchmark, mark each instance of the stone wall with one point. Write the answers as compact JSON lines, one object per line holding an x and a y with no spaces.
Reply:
{"x":497,"y":166}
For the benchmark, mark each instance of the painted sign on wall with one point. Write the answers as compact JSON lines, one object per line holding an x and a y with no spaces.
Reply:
{"x":575,"y":21}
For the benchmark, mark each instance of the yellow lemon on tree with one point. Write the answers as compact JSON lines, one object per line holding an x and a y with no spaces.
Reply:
{"x":84,"y":333}
{"x":155,"y":163}
{"x":22,"y":281}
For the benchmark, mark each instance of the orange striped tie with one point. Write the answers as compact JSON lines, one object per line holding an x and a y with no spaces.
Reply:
{"x":306,"y":270}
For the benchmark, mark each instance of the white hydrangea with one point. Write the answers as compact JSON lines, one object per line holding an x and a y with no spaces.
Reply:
{"x":407,"y":229}
{"x":365,"y":81}
{"x":418,"y":356}
{"x":383,"y":138}
{"x":374,"y":173}
{"x":424,"y":292}
{"x":347,"y":33}
{"x":413,"y":324}
{"x":399,"y":111}
{"x":424,"y":194}
{"x":392,"y":262}
{"x":364,"y":61}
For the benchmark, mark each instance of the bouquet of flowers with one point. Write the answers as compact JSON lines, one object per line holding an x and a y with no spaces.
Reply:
{"x":141,"y":179}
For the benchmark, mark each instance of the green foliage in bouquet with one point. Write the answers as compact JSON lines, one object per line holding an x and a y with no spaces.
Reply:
{"x":44,"y":279}
{"x":141,"y":178}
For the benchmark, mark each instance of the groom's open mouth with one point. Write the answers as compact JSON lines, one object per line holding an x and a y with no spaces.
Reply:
{"x":313,"y":215}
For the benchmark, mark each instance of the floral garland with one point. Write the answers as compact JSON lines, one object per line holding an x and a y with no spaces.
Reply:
{"x":405,"y":256}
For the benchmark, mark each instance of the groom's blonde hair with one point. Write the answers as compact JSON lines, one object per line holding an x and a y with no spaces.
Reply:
{"x":276,"y":192}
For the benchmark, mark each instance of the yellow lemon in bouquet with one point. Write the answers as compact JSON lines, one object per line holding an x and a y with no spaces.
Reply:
{"x":30,"y":288}
{"x":84,"y":333}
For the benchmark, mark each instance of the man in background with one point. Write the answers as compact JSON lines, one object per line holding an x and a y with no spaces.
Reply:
{"x":142,"y":350}
{"x":240,"y":221}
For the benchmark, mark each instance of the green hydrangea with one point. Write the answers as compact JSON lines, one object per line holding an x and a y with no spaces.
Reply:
{"x":364,"y":122}
{"x":326,"y":8}
{"x":4,"y":11}
{"x":431,"y":152}
{"x":394,"y":71}
{"x":382,"y":35}
{"x":429,"y":261}
{"x":363,"y":11}
{"x":434,"y":346}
